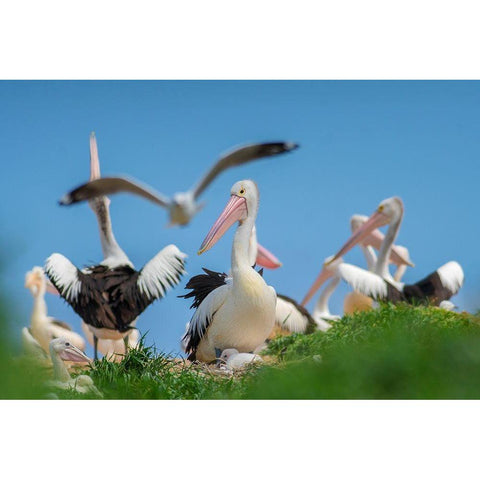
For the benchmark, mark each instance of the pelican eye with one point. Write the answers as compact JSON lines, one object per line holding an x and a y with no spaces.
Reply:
{"x":242,"y":191}
{"x":380,"y":208}
{"x":67,"y":344}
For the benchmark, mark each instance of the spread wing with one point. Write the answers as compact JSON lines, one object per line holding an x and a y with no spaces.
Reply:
{"x":110,"y":185}
{"x":239,"y":156}
{"x":440,"y":285}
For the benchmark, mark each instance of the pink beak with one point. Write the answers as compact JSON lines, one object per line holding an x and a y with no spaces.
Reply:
{"x":94,"y":162}
{"x":235,"y":210}
{"x":51,"y":288}
{"x":74,"y":354}
{"x":267,"y":259}
{"x":324,"y":275}
{"x":378,"y":219}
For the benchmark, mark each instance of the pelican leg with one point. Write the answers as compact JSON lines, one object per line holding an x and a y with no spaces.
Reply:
{"x":125,"y":341}
{"x":95,"y":345}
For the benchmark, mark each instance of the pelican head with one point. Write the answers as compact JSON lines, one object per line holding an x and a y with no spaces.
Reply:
{"x":375,"y":239}
{"x":389,"y":211}
{"x":62,"y":348}
{"x":182,"y":208}
{"x":225,"y":355}
{"x":243,"y":204}
{"x":35,"y":281}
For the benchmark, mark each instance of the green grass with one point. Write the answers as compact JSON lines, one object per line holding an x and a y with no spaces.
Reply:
{"x":397,"y":352}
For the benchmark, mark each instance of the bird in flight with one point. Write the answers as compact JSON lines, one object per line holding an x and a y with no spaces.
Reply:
{"x":183,"y":206}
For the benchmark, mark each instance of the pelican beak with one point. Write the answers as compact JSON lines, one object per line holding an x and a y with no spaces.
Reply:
{"x":51,"y":288}
{"x":267,"y":259}
{"x":235,"y":210}
{"x":74,"y":354}
{"x":94,"y":162}
{"x":378,"y":219}
{"x":324,"y":275}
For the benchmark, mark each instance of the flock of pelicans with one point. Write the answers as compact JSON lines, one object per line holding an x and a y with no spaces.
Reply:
{"x":235,"y":313}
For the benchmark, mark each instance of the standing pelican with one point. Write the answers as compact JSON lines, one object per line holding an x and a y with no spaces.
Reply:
{"x":237,"y":311}
{"x":42,"y":327}
{"x":111,"y":295}
{"x":436,"y":287}
{"x":182,"y":207}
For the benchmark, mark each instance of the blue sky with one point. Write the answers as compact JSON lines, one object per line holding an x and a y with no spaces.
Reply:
{"x":360,"y":142}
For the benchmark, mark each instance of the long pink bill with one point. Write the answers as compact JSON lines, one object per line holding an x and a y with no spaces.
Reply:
{"x":94,"y":162}
{"x":324,"y":275}
{"x":74,"y":354}
{"x":266,"y":258}
{"x":378,"y":219}
{"x":235,"y":210}
{"x":51,"y":288}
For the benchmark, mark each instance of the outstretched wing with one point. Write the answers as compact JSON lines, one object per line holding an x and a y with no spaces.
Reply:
{"x":82,"y":291}
{"x":440,"y":285}
{"x":367,"y":282}
{"x":209,"y":291}
{"x":110,"y":185}
{"x":240,"y":156}
{"x":160,"y":274}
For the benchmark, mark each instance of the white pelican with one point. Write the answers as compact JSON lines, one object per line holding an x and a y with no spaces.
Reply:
{"x":233,"y":360}
{"x":110,"y":296}
{"x":42,"y":327}
{"x":436,"y":287}
{"x":61,"y":349}
{"x":182,"y":207}
{"x":356,"y":301}
{"x":237,"y":311}
{"x":293,"y":317}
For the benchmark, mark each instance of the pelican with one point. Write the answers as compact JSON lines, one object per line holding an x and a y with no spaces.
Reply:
{"x":237,"y":311}
{"x":356,"y":301}
{"x":109,"y":296}
{"x":111,"y":349}
{"x":61,"y":349}
{"x":42,"y":327}
{"x":233,"y":360}
{"x":440,"y":285}
{"x":293,"y":317}
{"x":183,"y":206}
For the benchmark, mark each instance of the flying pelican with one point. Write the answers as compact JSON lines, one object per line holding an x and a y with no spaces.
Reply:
{"x":61,"y":349}
{"x":111,"y":295}
{"x":237,"y":311}
{"x":42,"y":327}
{"x":182,"y":207}
{"x":440,"y":285}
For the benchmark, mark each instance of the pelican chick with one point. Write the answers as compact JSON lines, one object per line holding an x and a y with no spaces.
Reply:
{"x":233,"y":360}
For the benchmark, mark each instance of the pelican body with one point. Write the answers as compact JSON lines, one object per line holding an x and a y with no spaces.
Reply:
{"x":237,"y":311}
{"x":110,"y":296}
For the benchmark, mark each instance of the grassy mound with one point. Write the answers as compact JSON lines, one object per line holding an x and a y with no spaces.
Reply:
{"x":393,"y":352}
